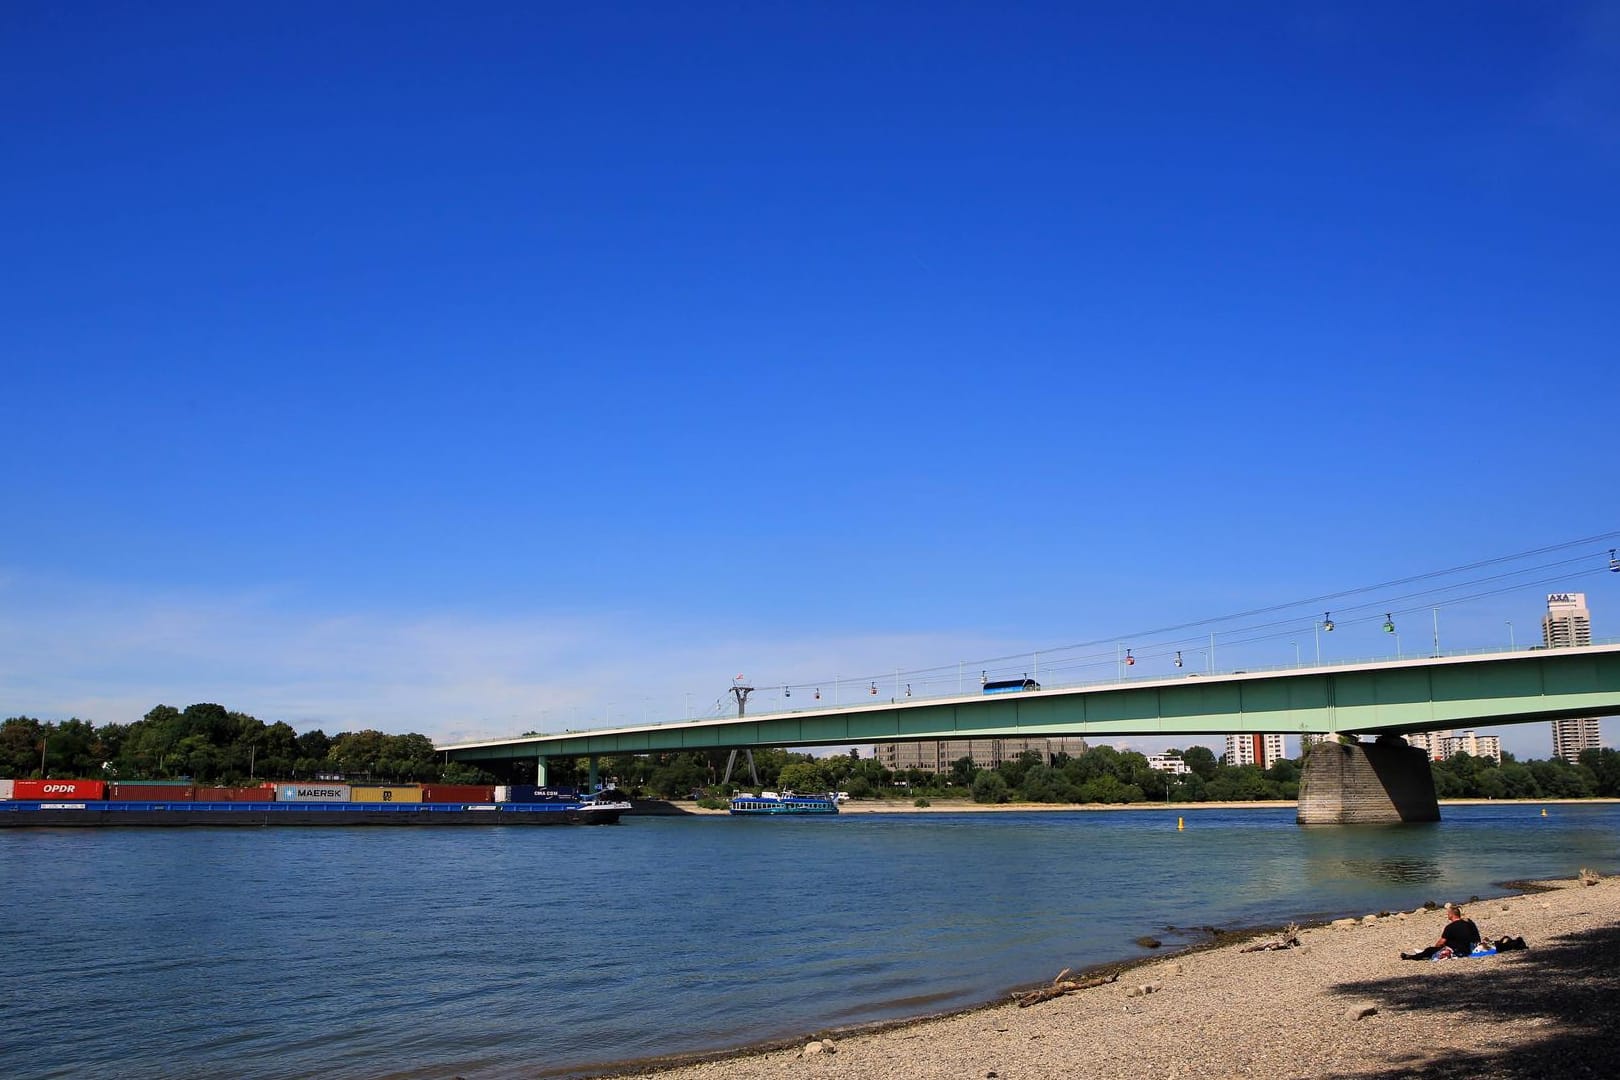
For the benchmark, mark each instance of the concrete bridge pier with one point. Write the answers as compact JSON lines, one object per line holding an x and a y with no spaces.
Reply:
{"x":1380,"y":783}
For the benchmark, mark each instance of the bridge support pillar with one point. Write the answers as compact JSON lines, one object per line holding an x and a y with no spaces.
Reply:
{"x":1382,"y":783}
{"x":540,"y":771}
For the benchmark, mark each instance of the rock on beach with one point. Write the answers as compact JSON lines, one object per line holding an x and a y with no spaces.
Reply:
{"x":1343,"y":1004}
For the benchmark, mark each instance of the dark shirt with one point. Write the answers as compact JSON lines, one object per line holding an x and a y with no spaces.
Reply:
{"x":1461,"y":935}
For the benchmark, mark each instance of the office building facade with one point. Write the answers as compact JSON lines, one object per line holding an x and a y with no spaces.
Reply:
{"x":938,"y":755}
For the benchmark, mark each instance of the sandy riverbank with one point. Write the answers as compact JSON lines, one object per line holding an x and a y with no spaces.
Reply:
{"x":1343,"y":1004}
{"x":968,"y":806}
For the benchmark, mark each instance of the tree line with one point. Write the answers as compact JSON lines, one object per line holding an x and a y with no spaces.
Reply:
{"x":209,"y":744}
{"x":1100,"y":775}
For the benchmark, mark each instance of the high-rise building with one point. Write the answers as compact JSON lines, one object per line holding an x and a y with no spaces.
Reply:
{"x":1262,"y":750}
{"x":1570,"y":737}
{"x":1468,"y":743}
{"x":1428,"y":742}
{"x":1568,"y":623}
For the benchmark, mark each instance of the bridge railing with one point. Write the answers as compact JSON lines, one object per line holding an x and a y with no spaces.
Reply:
{"x":1126,"y":679}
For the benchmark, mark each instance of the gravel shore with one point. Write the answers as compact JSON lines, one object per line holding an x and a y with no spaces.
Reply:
{"x":1341,"y":1004}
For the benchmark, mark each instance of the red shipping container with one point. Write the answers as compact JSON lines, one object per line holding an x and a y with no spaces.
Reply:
{"x":150,"y":792}
{"x":458,"y":793}
{"x":59,"y":789}
{"x":235,"y":794}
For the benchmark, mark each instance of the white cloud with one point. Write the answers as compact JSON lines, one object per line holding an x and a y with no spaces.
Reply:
{"x":109,"y":653}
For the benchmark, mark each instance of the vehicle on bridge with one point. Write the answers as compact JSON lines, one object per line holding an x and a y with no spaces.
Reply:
{"x":1010,"y":686}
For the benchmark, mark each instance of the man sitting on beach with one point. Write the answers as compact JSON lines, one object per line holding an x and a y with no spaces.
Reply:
{"x":1457,"y":939}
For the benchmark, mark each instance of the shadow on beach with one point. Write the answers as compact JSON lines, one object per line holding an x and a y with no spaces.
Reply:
{"x":1571,"y":982}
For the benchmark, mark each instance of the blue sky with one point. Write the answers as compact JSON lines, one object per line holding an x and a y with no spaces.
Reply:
{"x":522,"y":366}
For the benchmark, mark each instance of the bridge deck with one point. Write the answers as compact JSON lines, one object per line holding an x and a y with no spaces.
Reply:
{"x":1398,"y":696}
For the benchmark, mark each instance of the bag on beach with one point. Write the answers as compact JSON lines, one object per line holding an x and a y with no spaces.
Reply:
{"x":1510,"y":944}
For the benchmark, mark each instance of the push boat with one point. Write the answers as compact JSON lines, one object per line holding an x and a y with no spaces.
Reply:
{"x":770,"y":803}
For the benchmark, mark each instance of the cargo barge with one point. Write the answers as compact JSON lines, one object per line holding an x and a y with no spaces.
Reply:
{"x":96,"y":804}
{"x":37,"y":814}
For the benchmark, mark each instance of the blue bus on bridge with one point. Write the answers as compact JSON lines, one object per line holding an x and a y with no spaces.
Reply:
{"x":1010,"y":686}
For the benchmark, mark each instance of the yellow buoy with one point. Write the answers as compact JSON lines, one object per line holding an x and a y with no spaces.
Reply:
{"x":1543,"y":811}
{"x":1182,"y":824}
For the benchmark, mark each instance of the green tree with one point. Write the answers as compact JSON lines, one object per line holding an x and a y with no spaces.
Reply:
{"x":1558,"y":779}
{"x":805,"y":776}
{"x":1014,"y":771}
{"x":1605,"y":767}
{"x":356,"y":754}
{"x":23,"y":740}
{"x":1243,"y":783}
{"x":1284,"y":771}
{"x":1105,"y":787}
{"x":1044,"y":784}
{"x":990,"y":787}
{"x":677,"y":775}
{"x":871,"y":777}
{"x":1201,"y":760}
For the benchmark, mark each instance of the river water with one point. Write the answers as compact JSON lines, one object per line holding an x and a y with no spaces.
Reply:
{"x":545,"y":952}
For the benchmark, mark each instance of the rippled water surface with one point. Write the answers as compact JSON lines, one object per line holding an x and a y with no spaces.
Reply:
{"x":499,"y":953}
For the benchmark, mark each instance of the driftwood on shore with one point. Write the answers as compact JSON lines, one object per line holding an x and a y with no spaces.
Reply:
{"x":1060,"y":986}
{"x":1288,"y":940}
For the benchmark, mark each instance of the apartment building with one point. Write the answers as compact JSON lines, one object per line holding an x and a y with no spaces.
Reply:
{"x":1568,"y":623}
{"x":1262,"y":750}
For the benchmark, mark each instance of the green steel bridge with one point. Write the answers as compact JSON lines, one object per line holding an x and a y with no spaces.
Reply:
{"x":1363,"y":698}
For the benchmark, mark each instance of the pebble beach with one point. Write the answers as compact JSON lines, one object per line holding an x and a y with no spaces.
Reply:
{"x":1341,"y":1003}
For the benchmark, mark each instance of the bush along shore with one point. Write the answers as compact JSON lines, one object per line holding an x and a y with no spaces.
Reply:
{"x":1332,"y":1000}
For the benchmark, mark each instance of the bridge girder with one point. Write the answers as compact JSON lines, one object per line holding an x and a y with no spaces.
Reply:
{"x":1391,"y":696}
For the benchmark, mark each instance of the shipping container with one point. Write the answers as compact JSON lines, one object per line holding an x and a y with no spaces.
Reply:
{"x":59,"y":789}
{"x":391,"y":793}
{"x":458,"y":793}
{"x":236,"y":794}
{"x":125,"y":791}
{"x":317,"y":792}
{"x":5,"y":789}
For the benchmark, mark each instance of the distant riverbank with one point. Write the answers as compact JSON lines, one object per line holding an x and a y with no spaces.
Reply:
{"x":968,"y":806}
